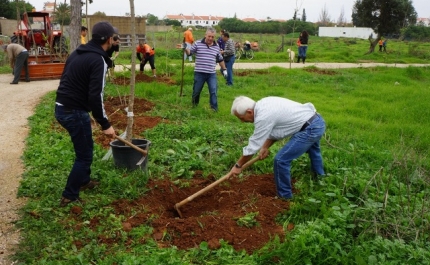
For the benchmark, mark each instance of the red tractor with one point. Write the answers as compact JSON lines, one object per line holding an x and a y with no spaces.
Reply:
{"x":37,"y":35}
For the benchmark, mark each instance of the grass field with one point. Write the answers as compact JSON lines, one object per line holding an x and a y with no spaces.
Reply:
{"x":372,"y":208}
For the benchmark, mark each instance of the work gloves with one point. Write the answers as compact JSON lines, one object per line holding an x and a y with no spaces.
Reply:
{"x":224,"y":73}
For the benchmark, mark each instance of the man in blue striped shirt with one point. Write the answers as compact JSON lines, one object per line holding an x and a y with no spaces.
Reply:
{"x":207,"y":54}
{"x":274,"y":119}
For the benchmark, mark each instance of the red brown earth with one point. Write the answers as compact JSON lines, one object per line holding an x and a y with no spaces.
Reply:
{"x":210,"y":217}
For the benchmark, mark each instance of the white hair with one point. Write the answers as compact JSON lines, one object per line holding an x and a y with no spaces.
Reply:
{"x":241,"y":104}
{"x":190,"y":28}
{"x":211,"y":30}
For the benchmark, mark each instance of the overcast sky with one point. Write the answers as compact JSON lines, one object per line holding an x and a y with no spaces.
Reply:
{"x":275,"y":9}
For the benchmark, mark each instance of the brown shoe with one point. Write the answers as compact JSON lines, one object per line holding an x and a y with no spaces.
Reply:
{"x":64,"y":201}
{"x":90,"y":185}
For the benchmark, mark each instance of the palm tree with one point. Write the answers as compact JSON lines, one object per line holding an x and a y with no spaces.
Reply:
{"x":62,"y":14}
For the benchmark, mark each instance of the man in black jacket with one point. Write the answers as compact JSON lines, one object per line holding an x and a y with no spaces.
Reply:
{"x":80,"y":92}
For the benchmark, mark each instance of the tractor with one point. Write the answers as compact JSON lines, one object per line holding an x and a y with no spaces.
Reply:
{"x":37,"y":35}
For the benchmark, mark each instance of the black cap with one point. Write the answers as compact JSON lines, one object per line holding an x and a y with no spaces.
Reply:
{"x":102,"y":31}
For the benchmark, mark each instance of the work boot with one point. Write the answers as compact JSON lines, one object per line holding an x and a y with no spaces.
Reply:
{"x":298,"y":59}
{"x":304,"y":58}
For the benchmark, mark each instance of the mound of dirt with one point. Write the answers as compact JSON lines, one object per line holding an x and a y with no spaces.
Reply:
{"x":116,"y":109}
{"x":222,"y":213}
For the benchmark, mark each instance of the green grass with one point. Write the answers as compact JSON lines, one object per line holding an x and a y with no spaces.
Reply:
{"x":372,"y":208}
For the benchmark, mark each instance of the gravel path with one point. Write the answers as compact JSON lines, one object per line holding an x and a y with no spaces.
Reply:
{"x":17,"y":103}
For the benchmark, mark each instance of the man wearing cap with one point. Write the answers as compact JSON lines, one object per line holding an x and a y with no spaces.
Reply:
{"x":80,"y":92}
{"x":143,"y":49}
{"x":274,"y":119}
{"x":18,"y":58}
{"x":188,"y":40}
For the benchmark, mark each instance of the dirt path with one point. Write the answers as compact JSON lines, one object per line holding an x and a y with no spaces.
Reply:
{"x":16,"y":105}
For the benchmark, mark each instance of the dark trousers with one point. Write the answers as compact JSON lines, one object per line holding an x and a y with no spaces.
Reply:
{"x":151,"y":63}
{"x":20,"y":62}
{"x":78,"y":124}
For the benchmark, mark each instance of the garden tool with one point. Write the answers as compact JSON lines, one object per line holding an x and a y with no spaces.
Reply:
{"x":182,"y":72}
{"x":144,"y":152}
{"x":206,"y":189}
{"x":109,"y":153}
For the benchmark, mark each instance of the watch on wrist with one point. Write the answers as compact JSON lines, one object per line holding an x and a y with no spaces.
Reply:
{"x":237,"y":166}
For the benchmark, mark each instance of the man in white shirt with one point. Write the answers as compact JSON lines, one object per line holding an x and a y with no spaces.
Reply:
{"x":274,"y":119}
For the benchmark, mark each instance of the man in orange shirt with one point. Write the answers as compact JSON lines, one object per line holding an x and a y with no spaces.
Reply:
{"x":189,"y":40}
{"x":148,"y":56}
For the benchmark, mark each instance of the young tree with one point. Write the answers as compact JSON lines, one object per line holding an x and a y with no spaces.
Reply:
{"x":383,"y":16}
{"x":304,"y":15}
{"x":152,"y":19}
{"x":324,"y":19}
{"x":341,"y":21}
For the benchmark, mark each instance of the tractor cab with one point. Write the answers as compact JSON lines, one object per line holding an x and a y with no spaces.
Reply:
{"x":37,"y":35}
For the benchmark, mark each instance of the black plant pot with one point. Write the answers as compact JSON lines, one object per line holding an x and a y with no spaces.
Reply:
{"x":127,"y":157}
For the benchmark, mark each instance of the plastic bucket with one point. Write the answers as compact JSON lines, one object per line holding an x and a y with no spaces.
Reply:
{"x":125,"y":156}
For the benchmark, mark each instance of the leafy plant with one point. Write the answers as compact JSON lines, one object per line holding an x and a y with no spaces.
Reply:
{"x":248,"y":220}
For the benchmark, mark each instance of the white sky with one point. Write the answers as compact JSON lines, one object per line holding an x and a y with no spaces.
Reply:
{"x":275,"y":9}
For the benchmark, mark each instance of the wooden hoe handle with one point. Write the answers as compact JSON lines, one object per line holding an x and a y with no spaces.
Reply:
{"x":207,"y":188}
{"x":144,"y":152}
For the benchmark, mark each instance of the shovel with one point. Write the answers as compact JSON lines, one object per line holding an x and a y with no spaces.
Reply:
{"x":144,"y":152}
{"x":207,"y":188}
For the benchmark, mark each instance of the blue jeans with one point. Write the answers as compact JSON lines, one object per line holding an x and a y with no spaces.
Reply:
{"x":229,"y":66}
{"x":302,"y":51}
{"x":306,"y":141}
{"x":78,"y":124}
{"x":199,"y":81}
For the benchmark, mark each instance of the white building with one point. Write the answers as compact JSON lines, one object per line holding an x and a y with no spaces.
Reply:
{"x":193,"y":20}
{"x":347,"y":32}
{"x":424,"y":21}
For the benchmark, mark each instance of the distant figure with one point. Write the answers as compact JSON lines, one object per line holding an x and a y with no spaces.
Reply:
{"x":188,"y":40}
{"x":220,"y":40}
{"x":113,"y":52}
{"x":84,"y":32}
{"x":148,"y":56}
{"x":247,"y":45}
{"x":380,"y":44}
{"x":18,"y":58}
{"x":229,"y":57}
{"x":303,"y":48}
{"x":384,"y":45}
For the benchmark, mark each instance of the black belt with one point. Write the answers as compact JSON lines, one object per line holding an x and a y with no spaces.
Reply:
{"x":309,"y":122}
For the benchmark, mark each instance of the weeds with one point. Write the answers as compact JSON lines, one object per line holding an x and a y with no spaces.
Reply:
{"x":371,"y":208}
